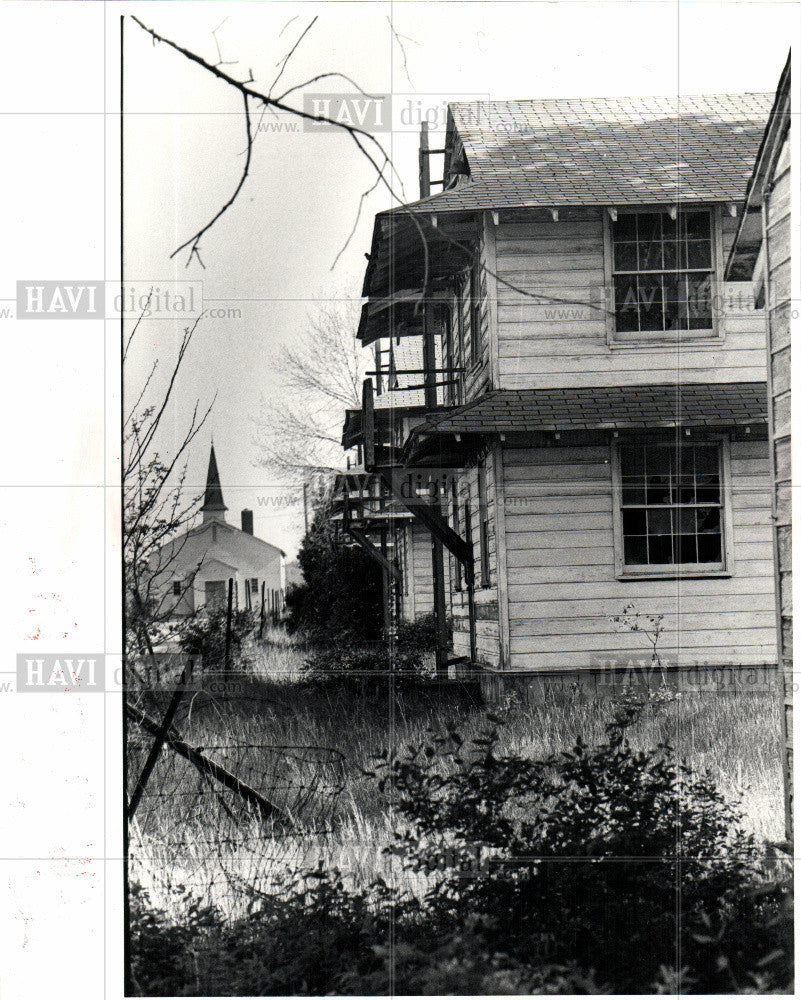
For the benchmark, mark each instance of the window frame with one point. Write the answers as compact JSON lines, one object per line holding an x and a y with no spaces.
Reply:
{"x":650,"y":338}
{"x":177,"y":588}
{"x":673,"y":571}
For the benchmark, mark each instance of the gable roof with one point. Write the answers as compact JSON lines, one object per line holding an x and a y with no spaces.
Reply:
{"x":603,"y":151}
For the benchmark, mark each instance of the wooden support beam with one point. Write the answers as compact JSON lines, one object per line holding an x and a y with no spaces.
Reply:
{"x":555,"y":214}
{"x":612,"y":214}
{"x":374,"y":553}
{"x":430,"y":358}
{"x":438,"y":576}
{"x":732,"y":207}
{"x":368,"y":424}
{"x":424,"y":165}
{"x":673,"y":212}
{"x":496,"y":218}
{"x":430,"y":518}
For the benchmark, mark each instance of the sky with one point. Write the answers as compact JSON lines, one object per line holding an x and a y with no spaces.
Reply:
{"x":271,"y":257}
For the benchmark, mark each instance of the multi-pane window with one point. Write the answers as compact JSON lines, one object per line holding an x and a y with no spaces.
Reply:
{"x":672,"y":505}
{"x":662,"y":272}
{"x":457,"y":566}
{"x":483,"y":524}
{"x":176,"y":588}
{"x":475,"y":312}
{"x":254,"y":585}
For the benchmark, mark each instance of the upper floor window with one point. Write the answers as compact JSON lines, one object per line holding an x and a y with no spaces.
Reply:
{"x":177,"y":588}
{"x":475,"y":312}
{"x":662,"y":271}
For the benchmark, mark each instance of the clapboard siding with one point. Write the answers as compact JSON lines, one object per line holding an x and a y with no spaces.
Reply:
{"x":565,"y":341}
{"x":776,"y":209}
{"x":561,"y":582}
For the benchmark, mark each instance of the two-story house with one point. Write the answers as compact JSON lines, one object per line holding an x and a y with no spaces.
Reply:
{"x":597,"y":416}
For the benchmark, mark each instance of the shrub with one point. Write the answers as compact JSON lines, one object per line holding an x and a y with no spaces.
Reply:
{"x":204,"y":635}
{"x":594,"y":852}
{"x":340,"y":599}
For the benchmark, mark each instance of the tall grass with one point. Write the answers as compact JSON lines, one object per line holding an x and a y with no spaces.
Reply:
{"x":266,"y":722}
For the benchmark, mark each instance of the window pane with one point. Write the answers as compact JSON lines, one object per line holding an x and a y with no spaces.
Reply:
{"x":634,"y":522}
{"x":649,"y":297}
{"x":699,"y":253}
{"x":660,"y":520}
{"x":697,"y":225}
{"x":626,"y":311}
{"x":660,"y":549}
{"x":635,"y":550}
{"x":709,"y":549}
{"x":708,"y":519}
{"x":699,"y":298}
{"x":625,"y":256}
{"x":687,"y":550}
{"x":625,"y":228}
{"x":633,"y":491}
{"x":675,"y":302}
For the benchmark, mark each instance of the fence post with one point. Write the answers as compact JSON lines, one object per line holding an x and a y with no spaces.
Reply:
{"x":261,"y":616}
{"x":227,"y":664}
{"x":159,"y":739}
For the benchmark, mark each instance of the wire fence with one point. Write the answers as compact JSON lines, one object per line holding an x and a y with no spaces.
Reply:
{"x":215,"y":804}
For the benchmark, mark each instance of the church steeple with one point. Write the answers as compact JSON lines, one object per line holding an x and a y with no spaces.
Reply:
{"x":213,"y":505}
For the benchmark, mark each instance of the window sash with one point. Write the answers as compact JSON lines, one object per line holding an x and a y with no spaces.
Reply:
{"x":664,"y":528}
{"x":674,"y":299}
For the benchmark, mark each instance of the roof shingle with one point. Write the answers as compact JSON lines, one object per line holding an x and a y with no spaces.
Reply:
{"x":610,"y":151}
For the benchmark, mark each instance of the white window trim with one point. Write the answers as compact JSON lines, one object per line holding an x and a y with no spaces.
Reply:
{"x":667,"y":338}
{"x":671,"y":571}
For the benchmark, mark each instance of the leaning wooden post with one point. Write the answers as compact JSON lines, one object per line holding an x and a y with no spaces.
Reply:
{"x":261,"y":616}
{"x":227,"y":662}
{"x":159,"y":739}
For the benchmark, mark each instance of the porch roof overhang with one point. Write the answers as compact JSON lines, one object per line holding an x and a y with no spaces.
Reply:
{"x":412,"y":255}
{"x":385,"y":416}
{"x":612,"y":408}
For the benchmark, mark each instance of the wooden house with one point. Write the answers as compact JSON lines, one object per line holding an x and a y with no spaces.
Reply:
{"x":594,"y":388}
{"x":761,"y":254}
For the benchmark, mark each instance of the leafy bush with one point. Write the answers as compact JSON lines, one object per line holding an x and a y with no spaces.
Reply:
{"x":204,"y":635}
{"x":340,"y":599}
{"x":622,"y":861}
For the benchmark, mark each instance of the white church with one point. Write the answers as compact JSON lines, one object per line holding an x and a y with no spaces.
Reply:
{"x":198,"y":565}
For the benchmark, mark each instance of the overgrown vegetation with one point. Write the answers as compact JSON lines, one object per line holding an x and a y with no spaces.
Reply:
{"x":339,"y":602}
{"x":405,"y":660}
{"x":520,"y":866}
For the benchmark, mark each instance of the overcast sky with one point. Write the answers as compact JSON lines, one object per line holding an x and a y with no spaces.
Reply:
{"x":271,"y":255}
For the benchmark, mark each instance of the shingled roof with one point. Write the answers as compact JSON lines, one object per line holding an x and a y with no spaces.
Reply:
{"x":610,"y":151}
{"x":612,"y":407}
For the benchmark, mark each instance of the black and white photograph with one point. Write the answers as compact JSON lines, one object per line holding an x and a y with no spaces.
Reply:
{"x":399,"y":406}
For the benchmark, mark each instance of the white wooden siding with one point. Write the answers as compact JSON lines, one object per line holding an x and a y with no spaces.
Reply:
{"x":561,"y":578}
{"x":565,"y":344}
